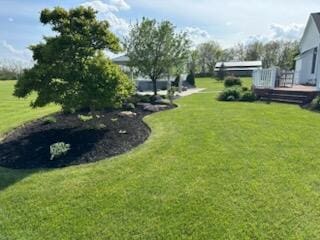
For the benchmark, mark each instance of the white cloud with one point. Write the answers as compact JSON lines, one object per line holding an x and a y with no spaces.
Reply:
{"x":227,"y":19}
{"x":197,"y":35}
{"x":120,"y":4}
{"x":21,"y":55}
{"x":107,"y":11}
{"x":100,"y":6}
{"x":289,"y":32}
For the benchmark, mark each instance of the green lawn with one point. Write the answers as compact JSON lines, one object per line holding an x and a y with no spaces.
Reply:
{"x":210,"y":170}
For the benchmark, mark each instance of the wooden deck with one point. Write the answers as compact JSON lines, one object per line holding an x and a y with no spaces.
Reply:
{"x":298,"y":94}
{"x":299,"y":88}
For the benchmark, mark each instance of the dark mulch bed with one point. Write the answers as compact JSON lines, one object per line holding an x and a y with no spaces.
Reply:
{"x":28,"y":147}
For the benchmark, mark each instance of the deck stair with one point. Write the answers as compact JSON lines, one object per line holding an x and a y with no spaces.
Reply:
{"x":286,"y":96}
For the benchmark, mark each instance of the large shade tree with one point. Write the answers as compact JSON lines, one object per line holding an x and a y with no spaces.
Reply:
{"x":70,"y":68}
{"x":209,"y":54}
{"x":154,"y":49}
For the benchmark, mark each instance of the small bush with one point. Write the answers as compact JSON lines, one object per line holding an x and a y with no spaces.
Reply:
{"x":245,"y":89}
{"x":58,"y":149}
{"x":191,"y":79}
{"x":145,"y":98}
{"x":129,"y":106}
{"x":232,"y":81}
{"x":49,"y":120}
{"x":85,"y":118}
{"x":230,"y":94}
{"x":248,"y":96}
{"x":315,"y":104}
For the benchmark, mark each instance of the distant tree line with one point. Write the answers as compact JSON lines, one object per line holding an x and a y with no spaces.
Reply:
{"x":273,"y":53}
{"x":10,"y":70}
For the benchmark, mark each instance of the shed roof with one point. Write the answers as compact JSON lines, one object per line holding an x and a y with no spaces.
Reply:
{"x":121,"y":59}
{"x":240,"y":64}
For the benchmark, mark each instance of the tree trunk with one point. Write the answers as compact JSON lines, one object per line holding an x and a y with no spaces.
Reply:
{"x":154,"y":83}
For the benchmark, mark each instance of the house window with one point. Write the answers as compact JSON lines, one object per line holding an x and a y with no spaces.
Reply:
{"x":314,"y":59}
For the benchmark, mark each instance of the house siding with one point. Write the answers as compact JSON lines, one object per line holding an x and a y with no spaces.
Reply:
{"x":310,"y":41}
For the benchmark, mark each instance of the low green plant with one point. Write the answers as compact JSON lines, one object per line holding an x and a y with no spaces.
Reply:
{"x":49,"y":120}
{"x":248,"y":96}
{"x":230,"y":94}
{"x":245,"y":89}
{"x":232,"y":81}
{"x":58,"y":149}
{"x":85,"y":118}
{"x":129,"y":106}
{"x":315,"y":104}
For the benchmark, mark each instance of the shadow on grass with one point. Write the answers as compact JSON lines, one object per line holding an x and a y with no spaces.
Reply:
{"x":9,"y":177}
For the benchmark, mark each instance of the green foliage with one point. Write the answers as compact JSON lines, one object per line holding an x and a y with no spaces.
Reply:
{"x":49,"y":120}
{"x":209,"y":53}
{"x":191,"y":78}
{"x":58,"y":149}
{"x":234,"y":92}
{"x":155,"y":49}
{"x":230,"y":94}
{"x":245,"y":89}
{"x":248,"y":96}
{"x":315,"y":104}
{"x":85,"y":118}
{"x":70,"y":68}
{"x":129,"y":106}
{"x":232,"y":81}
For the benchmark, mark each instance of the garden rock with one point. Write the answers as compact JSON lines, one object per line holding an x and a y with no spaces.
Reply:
{"x":156,"y":98}
{"x":154,"y":108}
{"x":162,"y":102}
{"x":127,"y":114}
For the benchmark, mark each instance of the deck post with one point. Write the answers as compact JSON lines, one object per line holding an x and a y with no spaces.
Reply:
{"x":274,"y":77}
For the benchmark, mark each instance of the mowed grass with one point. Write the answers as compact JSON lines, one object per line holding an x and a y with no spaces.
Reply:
{"x":210,"y":170}
{"x":14,"y":111}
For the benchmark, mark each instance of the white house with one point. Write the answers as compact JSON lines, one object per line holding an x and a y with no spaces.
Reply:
{"x":307,"y":70}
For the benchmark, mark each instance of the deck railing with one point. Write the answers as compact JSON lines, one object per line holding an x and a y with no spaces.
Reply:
{"x":265,"y":78}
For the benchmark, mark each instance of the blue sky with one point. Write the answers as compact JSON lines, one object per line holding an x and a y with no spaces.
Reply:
{"x":228,"y":21}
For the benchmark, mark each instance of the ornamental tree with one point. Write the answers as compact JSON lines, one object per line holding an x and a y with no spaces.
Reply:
{"x":70,"y":68}
{"x":154,"y":49}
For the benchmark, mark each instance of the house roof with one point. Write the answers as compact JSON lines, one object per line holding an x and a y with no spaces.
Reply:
{"x":121,"y":59}
{"x":316,"y":18}
{"x":245,"y":64}
{"x":238,"y":69}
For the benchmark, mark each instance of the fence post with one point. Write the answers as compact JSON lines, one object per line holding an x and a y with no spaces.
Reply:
{"x":274,"y":77}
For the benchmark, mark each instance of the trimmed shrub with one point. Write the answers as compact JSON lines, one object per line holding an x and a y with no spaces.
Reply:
{"x":145,"y":98}
{"x":232,"y":81}
{"x":245,"y":89}
{"x":248,"y":96}
{"x":191,"y":79}
{"x":230,"y":94}
{"x":129,"y":106}
{"x":315,"y":104}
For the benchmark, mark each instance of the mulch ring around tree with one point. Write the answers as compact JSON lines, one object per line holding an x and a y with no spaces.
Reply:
{"x":111,"y":133}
